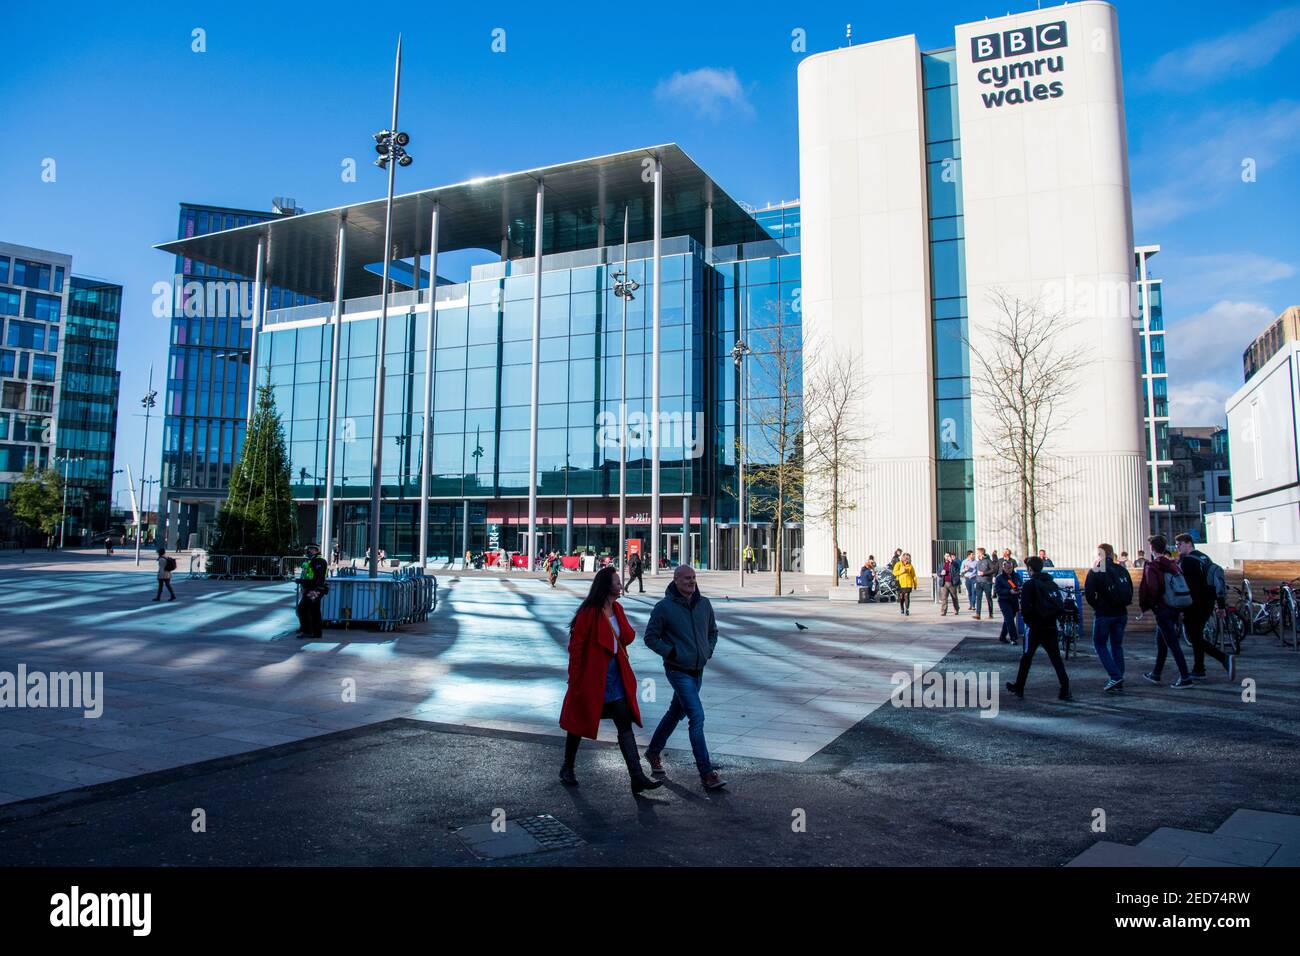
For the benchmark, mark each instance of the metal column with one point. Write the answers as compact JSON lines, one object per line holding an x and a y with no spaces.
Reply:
{"x":568,"y":526}
{"x":331,"y":460}
{"x":654,"y":369}
{"x":537,"y":351}
{"x":687,"y":556}
{"x":426,"y":457}
{"x":259,"y":301}
{"x":464,"y":526}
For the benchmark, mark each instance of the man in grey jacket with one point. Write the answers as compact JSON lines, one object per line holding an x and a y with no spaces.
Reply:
{"x":682,"y":631}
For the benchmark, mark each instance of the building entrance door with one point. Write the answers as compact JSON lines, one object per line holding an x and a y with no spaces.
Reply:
{"x":671,"y":552}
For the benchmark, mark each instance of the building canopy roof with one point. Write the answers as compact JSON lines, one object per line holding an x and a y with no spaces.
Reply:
{"x":479,"y":214}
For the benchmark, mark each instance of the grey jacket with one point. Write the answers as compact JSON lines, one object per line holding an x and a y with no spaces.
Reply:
{"x":683,"y":633}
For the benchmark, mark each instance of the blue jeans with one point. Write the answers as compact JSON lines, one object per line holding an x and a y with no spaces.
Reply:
{"x":685,"y":703}
{"x":1167,"y":641}
{"x":1108,"y":641}
{"x":983,"y":588}
{"x":970,"y":593}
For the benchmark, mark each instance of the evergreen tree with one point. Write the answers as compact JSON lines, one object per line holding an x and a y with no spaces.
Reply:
{"x":257,"y":517}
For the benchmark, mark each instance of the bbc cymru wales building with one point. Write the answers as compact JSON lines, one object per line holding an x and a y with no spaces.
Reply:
{"x":928,"y":181}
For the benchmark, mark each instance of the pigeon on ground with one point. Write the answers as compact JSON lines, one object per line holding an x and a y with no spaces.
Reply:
{"x":801,"y":627}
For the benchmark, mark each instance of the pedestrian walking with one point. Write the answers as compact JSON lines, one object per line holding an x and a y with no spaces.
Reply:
{"x":1141,"y":560}
{"x":986,"y":569}
{"x":166,"y":565}
{"x":601,"y":682}
{"x":1006,"y":586}
{"x":313,"y":582}
{"x":1108,"y":589}
{"x":949,"y":575}
{"x":1007,"y":556}
{"x":552,"y":568}
{"x":867,"y":582}
{"x":749,"y":559}
{"x":905,"y":578}
{"x":1201,"y":574}
{"x":635,"y":572}
{"x":1041,"y":603}
{"x":682,"y":630}
{"x":108,"y":545}
{"x":968,"y":573}
{"x":1164,"y":591}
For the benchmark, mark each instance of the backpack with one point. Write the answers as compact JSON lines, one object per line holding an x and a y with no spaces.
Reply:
{"x":1177,"y":594}
{"x":1049,"y":602}
{"x":171,"y":564}
{"x":1119,"y":586}
{"x":1213,"y":575}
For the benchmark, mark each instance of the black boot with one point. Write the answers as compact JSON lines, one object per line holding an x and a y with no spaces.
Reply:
{"x":567,"y":776}
{"x":627,"y":744}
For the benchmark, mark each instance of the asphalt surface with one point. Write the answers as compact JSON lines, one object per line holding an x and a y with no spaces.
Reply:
{"x":905,"y":786}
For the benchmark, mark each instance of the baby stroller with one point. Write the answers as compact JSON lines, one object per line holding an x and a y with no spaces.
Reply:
{"x":886,"y":585}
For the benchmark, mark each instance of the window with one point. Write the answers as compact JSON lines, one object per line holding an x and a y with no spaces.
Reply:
{"x":42,"y":307}
{"x":6,"y":362}
{"x":26,"y":335}
{"x":10,"y":300}
{"x":4,"y":268}
{"x":43,"y":368}
{"x":13,"y":395}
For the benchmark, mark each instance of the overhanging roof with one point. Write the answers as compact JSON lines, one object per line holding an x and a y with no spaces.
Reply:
{"x":477,"y":214}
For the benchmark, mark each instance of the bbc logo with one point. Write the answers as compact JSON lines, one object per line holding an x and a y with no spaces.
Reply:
{"x":992,"y":46}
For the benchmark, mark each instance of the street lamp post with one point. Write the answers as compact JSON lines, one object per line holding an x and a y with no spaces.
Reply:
{"x":738,"y":354}
{"x":63,"y":521}
{"x":390,"y":144}
{"x":148,"y":402}
{"x":624,"y":287}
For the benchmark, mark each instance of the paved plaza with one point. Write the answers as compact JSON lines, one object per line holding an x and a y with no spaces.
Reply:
{"x":210,"y":701}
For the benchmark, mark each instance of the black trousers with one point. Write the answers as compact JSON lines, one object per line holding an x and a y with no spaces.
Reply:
{"x":1044,"y":636}
{"x":615,"y":710}
{"x":167,"y":583}
{"x":1194,"y":620}
{"x":309,"y":619}
{"x":639,"y":583}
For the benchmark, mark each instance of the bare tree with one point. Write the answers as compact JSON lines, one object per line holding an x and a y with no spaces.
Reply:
{"x":774,"y":455}
{"x":1022,"y":380}
{"x":834,"y":389}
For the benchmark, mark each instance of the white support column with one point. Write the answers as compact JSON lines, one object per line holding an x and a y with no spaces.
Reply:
{"x":537,"y":351}
{"x":336,"y":324}
{"x":430,"y":343}
{"x":259,"y":303}
{"x":654,"y":369}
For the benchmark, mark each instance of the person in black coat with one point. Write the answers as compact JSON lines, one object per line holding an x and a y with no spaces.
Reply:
{"x":1007,"y":588}
{"x":1107,"y":593}
{"x":1040,"y":619}
{"x":1193,"y":564}
{"x":635,"y":570}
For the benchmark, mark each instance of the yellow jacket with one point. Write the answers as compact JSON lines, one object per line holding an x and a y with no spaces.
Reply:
{"x":904,"y":574}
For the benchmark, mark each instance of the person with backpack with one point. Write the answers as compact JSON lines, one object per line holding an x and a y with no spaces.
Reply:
{"x":635,"y":570}
{"x":601,"y":682}
{"x":1041,"y":603}
{"x":1007,"y":588}
{"x":1205,"y":581}
{"x":313,"y":582}
{"x":985,"y":571}
{"x":1165,"y":593}
{"x":166,"y":565}
{"x":1108,"y":589}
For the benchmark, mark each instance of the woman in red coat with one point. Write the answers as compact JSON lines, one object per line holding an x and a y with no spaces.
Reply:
{"x":601,"y":682}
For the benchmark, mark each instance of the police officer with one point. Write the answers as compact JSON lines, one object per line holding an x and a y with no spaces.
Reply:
{"x":312,"y":585}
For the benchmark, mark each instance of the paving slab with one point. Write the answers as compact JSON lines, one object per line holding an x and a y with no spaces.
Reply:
{"x":1210,"y":846}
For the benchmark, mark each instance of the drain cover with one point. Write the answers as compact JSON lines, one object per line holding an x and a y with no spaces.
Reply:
{"x":519,"y":837}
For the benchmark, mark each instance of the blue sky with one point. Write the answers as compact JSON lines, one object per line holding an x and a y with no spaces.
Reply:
{"x":137,"y":122}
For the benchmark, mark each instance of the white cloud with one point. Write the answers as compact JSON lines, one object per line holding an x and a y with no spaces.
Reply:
{"x":708,"y":92}
{"x":1203,"y":358}
{"x":1226,"y":275}
{"x":1230,"y":54}
{"x":1195,"y":163}
{"x":1199,"y":403}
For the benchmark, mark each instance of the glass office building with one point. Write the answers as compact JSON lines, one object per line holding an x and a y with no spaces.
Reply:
{"x":58,"y":382}
{"x":205,"y":402}
{"x":1155,"y":391}
{"x":725,"y":272}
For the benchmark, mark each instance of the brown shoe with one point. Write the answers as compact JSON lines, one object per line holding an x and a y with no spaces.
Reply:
{"x":656,"y":763}
{"x":712,"y":781}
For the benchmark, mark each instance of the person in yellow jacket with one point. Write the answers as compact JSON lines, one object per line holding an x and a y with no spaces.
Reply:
{"x":905,"y":578}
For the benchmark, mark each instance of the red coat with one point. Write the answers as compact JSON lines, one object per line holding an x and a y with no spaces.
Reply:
{"x":591,"y":646}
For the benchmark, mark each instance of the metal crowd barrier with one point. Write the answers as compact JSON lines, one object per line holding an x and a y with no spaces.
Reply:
{"x":241,"y":567}
{"x":405,"y":596}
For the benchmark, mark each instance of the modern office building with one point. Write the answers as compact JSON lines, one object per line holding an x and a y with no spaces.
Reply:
{"x":89,"y":386}
{"x":206,"y":392}
{"x":1199,"y":479}
{"x":931,"y":182}
{"x":520,"y":417}
{"x":1150,"y":324}
{"x":58,"y":380}
{"x":1284,"y":329}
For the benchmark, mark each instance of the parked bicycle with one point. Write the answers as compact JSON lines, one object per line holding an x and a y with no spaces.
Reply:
{"x":1069,"y":627}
